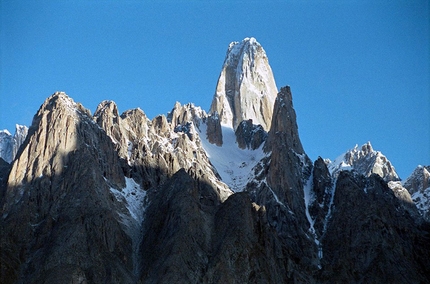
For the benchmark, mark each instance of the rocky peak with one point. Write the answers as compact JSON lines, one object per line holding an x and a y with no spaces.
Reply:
{"x":366,"y":161}
{"x":9,"y":144}
{"x":367,"y":231}
{"x":58,"y":200}
{"x":108,"y":118}
{"x":181,"y":115}
{"x":246,"y":87}
{"x":136,"y":123}
{"x":280,"y":178}
{"x":59,"y":127}
{"x":107,"y":109}
{"x":21,"y":132}
{"x":284,"y":130}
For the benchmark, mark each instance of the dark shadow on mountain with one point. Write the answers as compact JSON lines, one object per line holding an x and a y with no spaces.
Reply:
{"x":371,"y":237}
{"x":64,"y":226}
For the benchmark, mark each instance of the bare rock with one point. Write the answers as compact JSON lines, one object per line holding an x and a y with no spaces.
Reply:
{"x":371,"y":237}
{"x":58,"y":217}
{"x":322,"y":189}
{"x":249,"y":135}
{"x":214,"y":130}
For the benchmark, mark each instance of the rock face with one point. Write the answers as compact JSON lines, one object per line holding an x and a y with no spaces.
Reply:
{"x":246,"y":87}
{"x":249,"y":135}
{"x":184,"y":198}
{"x":278,"y":185}
{"x":322,"y":189}
{"x":57,"y":216}
{"x":370,"y":237}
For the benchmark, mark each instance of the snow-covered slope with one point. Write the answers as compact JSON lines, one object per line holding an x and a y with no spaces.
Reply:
{"x":232,"y":163}
{"x":365,"y":161}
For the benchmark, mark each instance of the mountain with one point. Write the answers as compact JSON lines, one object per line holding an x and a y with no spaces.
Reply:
{"x":366,"y":161}
{"x":246,"y":87}
{"x":9,"y":144}
{"x":225,"y":196}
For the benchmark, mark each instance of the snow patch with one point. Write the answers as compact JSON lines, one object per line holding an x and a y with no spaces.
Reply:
{"x":309,"y":197}
{"x":134,"y":198}
{"x":233,"y":164}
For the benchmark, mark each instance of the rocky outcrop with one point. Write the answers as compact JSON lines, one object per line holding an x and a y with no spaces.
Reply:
{"x":249,"y":135}
{"x":321,"y":196}
{"x":246,"y":87}
{"x":214,"y":130}
{"x":289,"y":166}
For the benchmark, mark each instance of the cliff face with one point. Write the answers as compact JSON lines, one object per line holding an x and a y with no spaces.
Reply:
{"x":371,"y":237}
{"x":58,"y":220}
{"x":203,"y":198}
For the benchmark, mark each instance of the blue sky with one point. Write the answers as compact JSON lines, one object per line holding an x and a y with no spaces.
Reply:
{"x":358,"y":70}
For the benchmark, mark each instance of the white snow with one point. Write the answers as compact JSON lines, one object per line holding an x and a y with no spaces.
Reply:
{"x":233,"y":164}
{"x":308,"y":197}
{"x":134,"y":198}
{"x":340,"y":164}
{"x":5,"y":131}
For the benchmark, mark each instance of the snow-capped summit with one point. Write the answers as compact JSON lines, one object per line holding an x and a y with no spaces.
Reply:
{"x":246,"y":87}
{"x":366,"y":161}
{"x":9,"y":144}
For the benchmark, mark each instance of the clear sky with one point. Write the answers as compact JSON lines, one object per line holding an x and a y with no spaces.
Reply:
{"x":358,"y":70}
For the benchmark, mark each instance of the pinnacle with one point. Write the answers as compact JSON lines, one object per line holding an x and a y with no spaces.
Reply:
{"x":246,"y":88}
